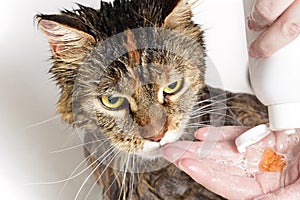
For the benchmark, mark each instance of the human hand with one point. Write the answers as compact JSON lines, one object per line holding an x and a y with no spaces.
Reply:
{"x":280,"y":21}
{"x":235,"y":175}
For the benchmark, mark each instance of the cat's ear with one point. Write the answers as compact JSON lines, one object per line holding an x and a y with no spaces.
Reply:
{"x":67,"y":38}
{"x":70,"y":41}
{"x":180,"y":15}
{"x":180,"y":19}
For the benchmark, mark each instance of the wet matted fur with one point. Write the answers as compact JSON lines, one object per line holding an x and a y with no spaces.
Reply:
{"x":127,"y":105}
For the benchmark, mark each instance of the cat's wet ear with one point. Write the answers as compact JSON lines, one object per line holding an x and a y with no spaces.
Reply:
{"x":180,"y":15}
{"x":67,"y":38}
{"x":180,"y":19}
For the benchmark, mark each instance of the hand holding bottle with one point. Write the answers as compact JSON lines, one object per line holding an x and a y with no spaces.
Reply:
{"x":279,"y":22}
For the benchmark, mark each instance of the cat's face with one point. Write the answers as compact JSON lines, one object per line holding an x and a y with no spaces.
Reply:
{"x":140,"y":100}
{"x":122,"y":91}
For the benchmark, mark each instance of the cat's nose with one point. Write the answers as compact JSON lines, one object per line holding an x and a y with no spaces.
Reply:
{"x":153,"y":133}
{"x":158,"y":137}
{"x":153,"y":115}
{"x":155,"y":124}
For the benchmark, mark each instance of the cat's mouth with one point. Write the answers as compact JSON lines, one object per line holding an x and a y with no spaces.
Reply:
{"x":151,"y":148}
{"x":158,"y":137}
{"x":153,"y":143}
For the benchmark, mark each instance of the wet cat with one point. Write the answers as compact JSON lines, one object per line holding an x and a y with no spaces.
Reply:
{"x":131,"y":76}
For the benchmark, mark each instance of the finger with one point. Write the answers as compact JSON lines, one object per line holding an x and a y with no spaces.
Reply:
{"x":265,"y":12}
{"x":285,"y":29}
{"x":176,"y":150}
{"x":195,"y":150}
{"x":219,"y":133}
{"x":223,"y":156}
{"x":291,"y":192}
{"x":228,"y":186}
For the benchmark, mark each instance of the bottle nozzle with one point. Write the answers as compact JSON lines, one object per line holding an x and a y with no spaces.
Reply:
{"x":284,"y":116}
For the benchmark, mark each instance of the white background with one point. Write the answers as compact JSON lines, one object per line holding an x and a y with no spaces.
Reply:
{"x":28,"y":96}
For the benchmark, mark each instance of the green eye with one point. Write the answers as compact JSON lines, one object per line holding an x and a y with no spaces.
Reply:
{"x":173,"y":88}
{"x":112,"y":102}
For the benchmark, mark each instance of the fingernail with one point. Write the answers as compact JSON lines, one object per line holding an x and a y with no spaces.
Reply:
{"x":188,"y":165}
{"x":181,"y":165}
{"x":250,"y":24}
{"x":253,"y":53}
{"x":202,"y":133}
{"x":172,"y":153}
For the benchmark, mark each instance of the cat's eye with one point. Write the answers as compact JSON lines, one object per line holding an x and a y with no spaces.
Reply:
{"x":112,"y":102}
{"x":173,"y":87}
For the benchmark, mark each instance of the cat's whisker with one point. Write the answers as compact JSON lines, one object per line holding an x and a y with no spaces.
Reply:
{"x":115,"y":178}
{"x":234,"y":118}
{"x":209,"y":111}
{"x":85,"y":181}
{"x":93,"y":186}
{"x":70,"y":137}
{"x":212,"y":101}
{"x":131,"y":180}
{"x":201,"y":122}
{"x":95,"y":183}
{"x":67,"y":179}
{"x":73,"y":172}
{"x":124,"y":178}
{"x":217,"y":99}
{"x":195,"y":116}
{"x":94,"y":170}
{"x":105,"y":154}
{"x":200,"y":114}
{"x":211,"y":97}
{"x":207,"y":104}
{"x":72,"y":176}
{"x":198,"y":126}
{"x":77,"y":146}
{"x":215,"y":113}
{"x":42,"y":122}
{"x":240,"y":107}
{"x":211,"y":105}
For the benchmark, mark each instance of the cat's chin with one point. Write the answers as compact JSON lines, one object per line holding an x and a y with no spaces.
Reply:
{"x":151,"y":149}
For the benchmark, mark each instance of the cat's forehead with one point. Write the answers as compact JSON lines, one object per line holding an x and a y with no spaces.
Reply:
{"x":128,"y":79}
{"x":141,"y":57}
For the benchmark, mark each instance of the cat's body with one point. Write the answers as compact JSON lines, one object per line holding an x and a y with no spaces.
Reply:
{"x":132,"y":79}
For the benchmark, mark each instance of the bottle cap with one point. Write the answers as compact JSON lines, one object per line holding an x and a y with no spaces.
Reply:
{"x":251,"y":136}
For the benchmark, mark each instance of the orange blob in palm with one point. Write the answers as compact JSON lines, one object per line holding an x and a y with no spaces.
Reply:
{"x":272,"y":162}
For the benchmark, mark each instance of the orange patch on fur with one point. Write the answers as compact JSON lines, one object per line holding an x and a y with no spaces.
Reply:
{"x":134,"y":55}
{"x":272,"y":162}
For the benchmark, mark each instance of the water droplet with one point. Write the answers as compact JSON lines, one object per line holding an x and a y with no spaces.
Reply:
{"x":229,"y":162}
{"x":294,"y":140}
{"x":220,"y":162}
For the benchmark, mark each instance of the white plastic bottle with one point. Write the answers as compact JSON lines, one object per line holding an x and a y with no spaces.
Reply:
{"x":276,"y":81}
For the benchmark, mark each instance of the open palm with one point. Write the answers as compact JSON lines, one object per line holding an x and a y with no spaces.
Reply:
{"x":235,"y":175}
